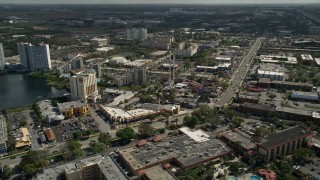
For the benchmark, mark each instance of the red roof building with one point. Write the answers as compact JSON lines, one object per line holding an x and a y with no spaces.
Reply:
{"x":141,"y":143}
{"x":157,"y":138}
{"x":268,"y":174}
{"x":49,"y":134}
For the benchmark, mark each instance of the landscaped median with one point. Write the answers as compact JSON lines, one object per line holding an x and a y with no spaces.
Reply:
{"x":15,"y":155}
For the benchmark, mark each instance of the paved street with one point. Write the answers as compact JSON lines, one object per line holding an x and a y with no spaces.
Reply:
{"x":104,"y":126}
{"x":238,"y":76}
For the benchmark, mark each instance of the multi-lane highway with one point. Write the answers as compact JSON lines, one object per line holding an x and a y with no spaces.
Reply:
{"x":238,"y":76}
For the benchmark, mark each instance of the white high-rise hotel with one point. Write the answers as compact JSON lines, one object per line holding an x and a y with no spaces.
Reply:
{"x":2,"y":58}
{"x":83,"y":84}
{"x":35,"y":57}
{"x":137,"y":34}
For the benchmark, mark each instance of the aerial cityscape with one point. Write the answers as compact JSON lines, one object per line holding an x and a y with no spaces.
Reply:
{"x":159,"y":90}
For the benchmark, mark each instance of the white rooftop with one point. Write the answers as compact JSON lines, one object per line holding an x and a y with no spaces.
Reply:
{"x":197,"y":135}
{"x":317,"y":61}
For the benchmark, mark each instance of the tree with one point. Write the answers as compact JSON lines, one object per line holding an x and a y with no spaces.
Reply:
{"x":104,"y":138}
{"x":191,"y":121}
{"x":77,"y":153}
{"x":77,"y":135}
{"x":236,"y":122}
{"x":303,"y":155}
{"x":203,"y":113}
{"x":98,"y":148}
{"x":33,"y":161}
{"x":73,"y":145}
{"x":126,"y":133}
{"x":30,"y":169}
{"x":145,"y":130}
{"x":6,"y":172}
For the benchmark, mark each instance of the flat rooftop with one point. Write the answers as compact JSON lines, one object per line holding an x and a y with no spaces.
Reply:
{"x":122,"y":96}
{"x":110,"y":169}
{"x":239,"y":138}
{"x":285,"y":136}
{"x":294,"y":111}
{"x":119,"y":113}
{"x":106,"y":165}
{"x":198,"y":135}
{"x":70,"y":104}
{"x":158,"y":173}
{"x":183,"y":148}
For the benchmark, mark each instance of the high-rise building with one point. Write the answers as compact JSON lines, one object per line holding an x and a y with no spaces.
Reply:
{"x":77,"y":64}
{"x":2,"y":58}
{"x":140,"y":76}
{"x":35,"y":57}
{"x":83,"y":84}
{"x":137,"y":34}
{"x":97,"y":69}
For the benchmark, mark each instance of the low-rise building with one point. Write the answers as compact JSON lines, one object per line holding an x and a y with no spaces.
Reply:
{"x":50,"y":135}
{"x":100,"y":41}
{"x":73,"y":109}
{"x":170,"y":108}
{"x":219,"y":67}
{"x":185,"y":151}
{"x":278,"y":59}
{"x":288,"y":85}
{"x":308,"y":96}
{"x":256,"y":109}
{"x":306,"y":58}
{"x":188,"y":52}
{"x":121,"y":96}
{"x":249,"y":97}
{"x":221,"y":59}
{"x":51,"y":113}
{"x":21,"y":138}
{"x":97,"y":167}
{"x":283,"y":143}
{"x":280,"y":76}
{"x":159,"y":42}
{"x":122,"y":116}
{"x":237,"y":140}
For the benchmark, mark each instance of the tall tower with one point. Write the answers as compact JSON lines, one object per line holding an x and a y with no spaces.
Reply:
{"x":97,"y":69}
{"x":77,"y":64}
{"x":35,"y":57}
{"x":82,"y":85}
{"x":2,"y":58}
{"x":173,"y":69}
{"x":140,"y":76}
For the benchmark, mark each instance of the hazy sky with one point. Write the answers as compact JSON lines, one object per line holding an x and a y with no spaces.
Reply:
{"x":155,"y":1}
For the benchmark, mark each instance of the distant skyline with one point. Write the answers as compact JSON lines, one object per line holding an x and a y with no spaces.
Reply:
{"x":157,"y":1}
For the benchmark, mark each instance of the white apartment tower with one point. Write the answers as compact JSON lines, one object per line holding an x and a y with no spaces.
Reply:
{"x":137,"y":34}
{"x":2,"y":58}
{"x":83,"y":84}
{"x":35,"y":57}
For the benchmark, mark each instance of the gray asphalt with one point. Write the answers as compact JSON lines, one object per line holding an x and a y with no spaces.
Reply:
{"x":238,"y":76}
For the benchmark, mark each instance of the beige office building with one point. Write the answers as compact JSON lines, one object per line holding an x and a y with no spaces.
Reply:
{"x":83,"y":85}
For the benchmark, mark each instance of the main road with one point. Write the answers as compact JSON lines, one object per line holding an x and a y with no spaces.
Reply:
{"x":238,"y":76}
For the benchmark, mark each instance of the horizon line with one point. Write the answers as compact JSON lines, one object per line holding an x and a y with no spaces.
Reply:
{"x":290,"y":3}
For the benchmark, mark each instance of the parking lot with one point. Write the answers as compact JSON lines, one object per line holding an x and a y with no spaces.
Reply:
{"x":65,"y":129}
{"x":311,"y":168}
{"x":26,"y":119}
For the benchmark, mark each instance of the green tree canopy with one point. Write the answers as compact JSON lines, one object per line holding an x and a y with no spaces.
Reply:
{"x":145,"y":130}
{"x":191,"y":121}
{"x":303,"y":155}
{"x":104,"y":138}
{"x":126,"y":133}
